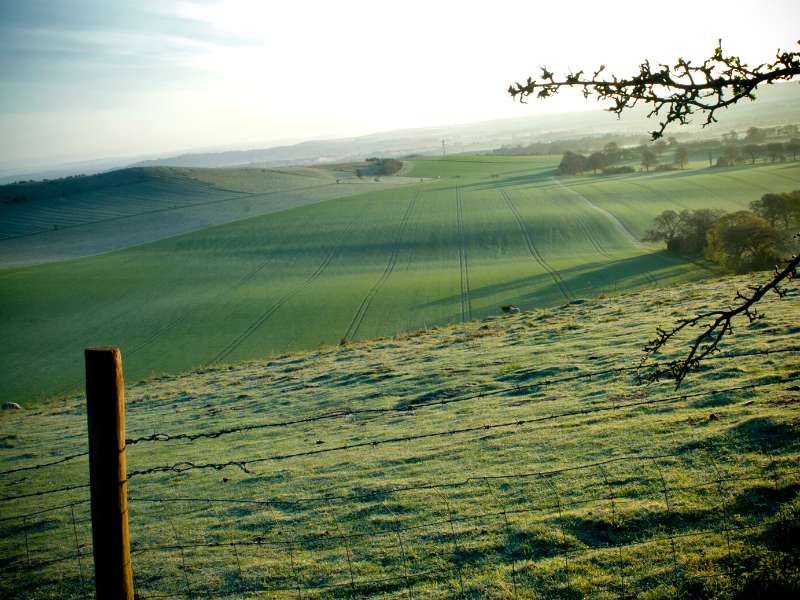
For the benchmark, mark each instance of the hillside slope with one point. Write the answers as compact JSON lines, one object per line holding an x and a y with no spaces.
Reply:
{"x":47,"y":221}
{"x":514,"y":457}
{"x":484,"y":232}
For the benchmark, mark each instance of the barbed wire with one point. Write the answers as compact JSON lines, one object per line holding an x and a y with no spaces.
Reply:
{"x":309,"y":543}
{"x":411,"y":407}
{"x":407,"y":409}
{"x":67,"y":488}
{"x":184,"y":466}
{"x":45,"y":465}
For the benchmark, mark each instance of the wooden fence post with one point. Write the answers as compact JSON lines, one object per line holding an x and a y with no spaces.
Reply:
{"x":105,"y":408}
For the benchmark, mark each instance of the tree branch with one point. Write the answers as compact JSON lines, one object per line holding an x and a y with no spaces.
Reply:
{"x":719,"y":82}
{"x":717,"y":324}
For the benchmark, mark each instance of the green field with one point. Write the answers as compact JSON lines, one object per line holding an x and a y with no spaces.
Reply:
{"x":70,"y":218}
{"x":513,"y":457}
{"x":480,"y":232}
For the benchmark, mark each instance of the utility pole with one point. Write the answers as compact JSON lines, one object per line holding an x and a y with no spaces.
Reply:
{"x":444,"y":149}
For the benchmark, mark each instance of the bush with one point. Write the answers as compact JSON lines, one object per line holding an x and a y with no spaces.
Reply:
{"x":618,"y":170}
{"x":743,"y":241}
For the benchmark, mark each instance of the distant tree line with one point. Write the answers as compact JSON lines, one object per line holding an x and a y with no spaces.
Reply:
{"x":584,"y":145}
{"x":751,"y":147}
{"x":741,"y":241}
{"x":667,"y":155}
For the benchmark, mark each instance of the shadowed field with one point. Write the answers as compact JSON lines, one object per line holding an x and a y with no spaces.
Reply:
{"x":481,"y":232}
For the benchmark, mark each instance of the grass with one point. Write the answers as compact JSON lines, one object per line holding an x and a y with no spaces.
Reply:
{"x":489,"y":231}
{"x":71,"y":218}
{"x":726,"y":528}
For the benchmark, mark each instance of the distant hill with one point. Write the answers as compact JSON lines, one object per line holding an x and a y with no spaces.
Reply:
{"x":777,"y":104}
{"x":45,"y":221}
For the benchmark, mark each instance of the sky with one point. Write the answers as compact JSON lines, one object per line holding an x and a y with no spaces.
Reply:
{"x":88,"y":79}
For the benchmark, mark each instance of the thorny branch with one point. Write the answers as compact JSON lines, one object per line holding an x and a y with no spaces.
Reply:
{"x":716,"y":324}
{"x":673,"y":93}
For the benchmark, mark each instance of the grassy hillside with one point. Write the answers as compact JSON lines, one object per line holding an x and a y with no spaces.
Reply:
{"x":513,"y":457}
{"x":69,"y":218}
{"x":489,"y":231}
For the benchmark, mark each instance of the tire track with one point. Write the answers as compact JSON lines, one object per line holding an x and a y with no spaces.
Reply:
{"x":615,"y":222}
{"x":466,"y":303}
{"x":272,"y":309}
{"x":182,"y":317}
{"x":358,"y":317}
{"x":562,"y":286}
{"x":628,"y":234}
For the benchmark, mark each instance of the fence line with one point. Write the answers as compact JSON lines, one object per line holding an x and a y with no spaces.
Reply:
{"x":362,"y":584}
{"x":432,"y":486}
{"x":559,"y":505}
{"x":410,"y":408}
{"x":183,"y":466}
{"x":457,"y":528}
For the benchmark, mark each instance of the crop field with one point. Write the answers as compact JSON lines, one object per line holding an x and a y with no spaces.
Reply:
{"x":478,"y":233}
{"x":83,"y":216}
{"x":509,"y":457}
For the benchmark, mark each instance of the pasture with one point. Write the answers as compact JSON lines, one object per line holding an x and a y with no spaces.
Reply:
{"x":513,"y":457}
{"x":480,"y":232}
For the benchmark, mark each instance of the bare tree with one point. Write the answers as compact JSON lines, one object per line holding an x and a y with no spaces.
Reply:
{"x":674,"y":94}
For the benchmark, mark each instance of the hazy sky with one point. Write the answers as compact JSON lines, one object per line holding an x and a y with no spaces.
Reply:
{"x":84,"y":79}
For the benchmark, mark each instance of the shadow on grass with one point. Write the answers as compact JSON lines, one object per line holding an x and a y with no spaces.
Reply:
{"x":759,"y":434}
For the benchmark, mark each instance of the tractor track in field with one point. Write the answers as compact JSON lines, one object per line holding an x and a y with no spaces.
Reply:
{"x":358,"y":317}
{"x":176,"y":321}
{"x":275,"y":306}
{"x":534,"y":252}
{"x":466,"y":303}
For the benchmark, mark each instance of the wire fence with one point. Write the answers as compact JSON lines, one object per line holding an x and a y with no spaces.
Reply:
{"x":697,"y":517}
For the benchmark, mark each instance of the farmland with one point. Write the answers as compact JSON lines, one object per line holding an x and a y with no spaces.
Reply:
{"x":513,"y":457}
{"x":70,"y":218}
{"x":478,"y":233}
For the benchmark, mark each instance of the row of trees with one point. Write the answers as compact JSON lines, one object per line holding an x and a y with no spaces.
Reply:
{"x":774,"y":151}
{"x":732,"y":149}
{"x":741,"y":241}
{"x":574,"y":163}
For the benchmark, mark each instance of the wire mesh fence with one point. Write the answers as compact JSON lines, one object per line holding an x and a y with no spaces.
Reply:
{"x":697,"y":518}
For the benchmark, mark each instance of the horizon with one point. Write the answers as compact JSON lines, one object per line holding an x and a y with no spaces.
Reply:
{"x":90,"y":81}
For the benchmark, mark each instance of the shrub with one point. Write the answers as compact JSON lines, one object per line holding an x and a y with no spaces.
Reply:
{"x":618,"y":170}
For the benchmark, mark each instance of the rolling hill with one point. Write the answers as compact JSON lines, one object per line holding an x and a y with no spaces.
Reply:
{"x":79,"y":216}
{"x":481,"y":232}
